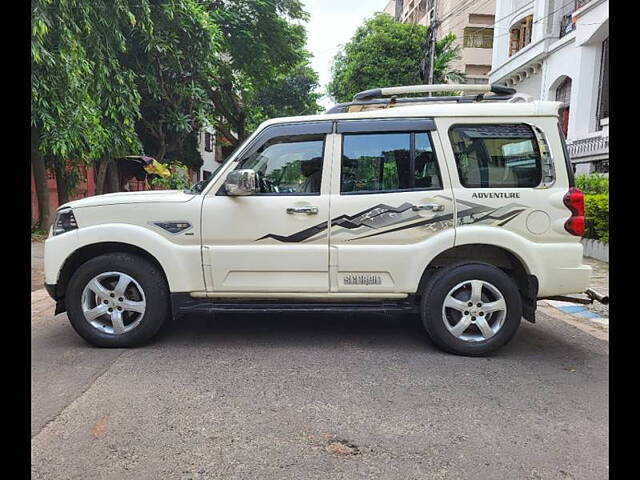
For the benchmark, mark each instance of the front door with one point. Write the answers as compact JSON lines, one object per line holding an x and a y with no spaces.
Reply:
{"x":275,"y":240}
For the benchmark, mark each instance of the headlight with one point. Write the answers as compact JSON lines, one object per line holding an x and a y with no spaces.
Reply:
{"x":64,"y":222}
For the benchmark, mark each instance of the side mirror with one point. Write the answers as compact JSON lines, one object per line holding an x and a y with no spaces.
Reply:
{"x":241,"y":182}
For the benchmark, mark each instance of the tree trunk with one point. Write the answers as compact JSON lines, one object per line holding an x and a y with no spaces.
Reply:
{"x":61,"y":183}
{"x":42,"y":188}
{"x":113,"y":177}
{"x":102,"y":167}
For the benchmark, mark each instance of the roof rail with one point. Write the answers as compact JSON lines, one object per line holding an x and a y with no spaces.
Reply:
{"x":372,"y":99}
{"x":444,"y":87}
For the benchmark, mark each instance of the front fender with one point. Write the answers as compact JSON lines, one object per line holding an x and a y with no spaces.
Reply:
{"x":181,"y":262}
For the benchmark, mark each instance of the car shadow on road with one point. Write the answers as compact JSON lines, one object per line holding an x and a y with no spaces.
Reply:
{"x":364,"y":331}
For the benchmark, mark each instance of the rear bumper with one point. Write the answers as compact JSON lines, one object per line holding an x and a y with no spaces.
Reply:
{"x":565,"y":280}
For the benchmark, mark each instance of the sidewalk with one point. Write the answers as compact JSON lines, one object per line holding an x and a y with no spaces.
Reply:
{"x":37,"y":265}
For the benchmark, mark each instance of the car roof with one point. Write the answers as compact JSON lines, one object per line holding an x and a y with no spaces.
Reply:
{"x":537,"y":108}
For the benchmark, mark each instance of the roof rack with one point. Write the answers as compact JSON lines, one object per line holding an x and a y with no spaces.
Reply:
{"x":371,"y":99}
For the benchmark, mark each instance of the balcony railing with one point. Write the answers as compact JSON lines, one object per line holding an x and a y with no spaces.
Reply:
{"x":566,"y":25}
{"x":596,"y":145}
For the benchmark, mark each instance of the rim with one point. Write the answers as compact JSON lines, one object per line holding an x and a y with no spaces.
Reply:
{"x":474,"y":311}
{"x":113,"y":302}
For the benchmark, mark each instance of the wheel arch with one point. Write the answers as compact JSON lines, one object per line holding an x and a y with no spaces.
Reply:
{"x":497,"y":256}
{"x":87,"y":252}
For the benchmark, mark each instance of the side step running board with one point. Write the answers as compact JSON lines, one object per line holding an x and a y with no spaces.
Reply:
{"x":184,"y":305}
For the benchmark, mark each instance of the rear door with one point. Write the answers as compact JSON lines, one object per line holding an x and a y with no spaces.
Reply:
{"x":504,"y":179}
{"x":391,"y":204}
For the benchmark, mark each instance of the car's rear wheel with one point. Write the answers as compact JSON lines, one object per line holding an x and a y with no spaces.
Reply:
{"x":117,"y":300}
{"x":471,"y":309}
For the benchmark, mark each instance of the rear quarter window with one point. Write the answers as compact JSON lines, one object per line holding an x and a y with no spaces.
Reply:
{"x":496,"y":155}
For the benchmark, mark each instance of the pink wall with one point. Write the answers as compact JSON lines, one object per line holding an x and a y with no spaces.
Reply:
{"x":86,"y":188}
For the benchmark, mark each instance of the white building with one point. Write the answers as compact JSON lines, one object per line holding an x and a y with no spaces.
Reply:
{"x":559,"y":50}
{"x":207,"y":148}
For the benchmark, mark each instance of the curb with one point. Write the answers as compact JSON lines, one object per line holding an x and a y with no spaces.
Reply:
{"x":597,"y":330}
{"x":578,"y":310}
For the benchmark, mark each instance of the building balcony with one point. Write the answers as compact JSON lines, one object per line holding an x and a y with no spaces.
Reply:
{"x":588,"y":148}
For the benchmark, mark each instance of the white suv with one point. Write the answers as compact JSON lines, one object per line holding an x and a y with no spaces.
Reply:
{"x":460,"y":208}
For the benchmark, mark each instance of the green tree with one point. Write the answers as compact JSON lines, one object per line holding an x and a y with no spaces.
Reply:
{"x":290,"y":94}
{"x":385,"y":53}
{"x":263,"y":45}
{"x":174,"y":63}
{"x":83,"y":103}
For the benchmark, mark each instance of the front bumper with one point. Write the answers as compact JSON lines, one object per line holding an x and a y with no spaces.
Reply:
{"x":52,"y":290}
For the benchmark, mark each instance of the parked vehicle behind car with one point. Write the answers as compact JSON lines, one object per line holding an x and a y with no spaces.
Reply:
{"x":461,"y":208}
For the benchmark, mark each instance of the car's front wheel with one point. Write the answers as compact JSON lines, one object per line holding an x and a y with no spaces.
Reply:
{"x":471,"y":309}
{"x":117,"y":300}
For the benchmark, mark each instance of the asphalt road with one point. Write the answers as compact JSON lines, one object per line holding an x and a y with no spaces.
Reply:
{"x":317,"y":397}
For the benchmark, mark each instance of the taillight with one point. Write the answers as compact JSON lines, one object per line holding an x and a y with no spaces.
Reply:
{"x":574,"y":200}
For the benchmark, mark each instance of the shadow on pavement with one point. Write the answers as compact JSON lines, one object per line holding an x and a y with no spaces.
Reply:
{"x":550,"y":339}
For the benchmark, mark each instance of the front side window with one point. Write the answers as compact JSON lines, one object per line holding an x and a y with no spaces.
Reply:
{"x":288,"y":165}
{"x":500,"y":156}
{"x":383,"y":162}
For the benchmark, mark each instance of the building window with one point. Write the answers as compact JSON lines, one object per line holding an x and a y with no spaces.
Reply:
{"x":478,"y":37}
{"x":520,"y":34}
{"x":602,"y":166}
{"x":208,"y":142}
{"x":603,"y":102}
{"x":563,"y":94}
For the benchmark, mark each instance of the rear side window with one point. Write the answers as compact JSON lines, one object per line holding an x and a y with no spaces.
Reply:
{"x":499,"y":156}
{"x":388,"y":162}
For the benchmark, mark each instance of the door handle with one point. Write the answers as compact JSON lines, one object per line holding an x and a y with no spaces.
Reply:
{"x":307,"y":210}
{"x":434,"y":207}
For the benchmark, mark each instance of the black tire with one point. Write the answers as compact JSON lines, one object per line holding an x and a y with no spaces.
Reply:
{"x":436,"y":291}
{"x":152,"y":282}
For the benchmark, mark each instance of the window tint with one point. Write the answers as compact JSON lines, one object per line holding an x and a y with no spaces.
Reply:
{"x":378,"y":162}
{"x":286,"y":165}
{"x":496,"y":155}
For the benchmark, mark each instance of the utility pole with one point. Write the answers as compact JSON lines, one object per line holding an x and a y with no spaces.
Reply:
{"x":433,"y":27}
{"x":431,"y":44}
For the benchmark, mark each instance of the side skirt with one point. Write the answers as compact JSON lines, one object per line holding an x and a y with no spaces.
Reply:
{"x":183,"y":304}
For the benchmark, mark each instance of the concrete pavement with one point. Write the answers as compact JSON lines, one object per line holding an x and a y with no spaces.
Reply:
{"x":349,"y":396}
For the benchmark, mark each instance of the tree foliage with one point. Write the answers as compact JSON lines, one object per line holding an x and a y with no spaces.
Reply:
{"x":289,"y":94}
{"x":385,"y":53}
{"x":262,"y":43}
{"x":83,"y":102}
{"x":174,"y":63}
{"x":119,"y":77}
